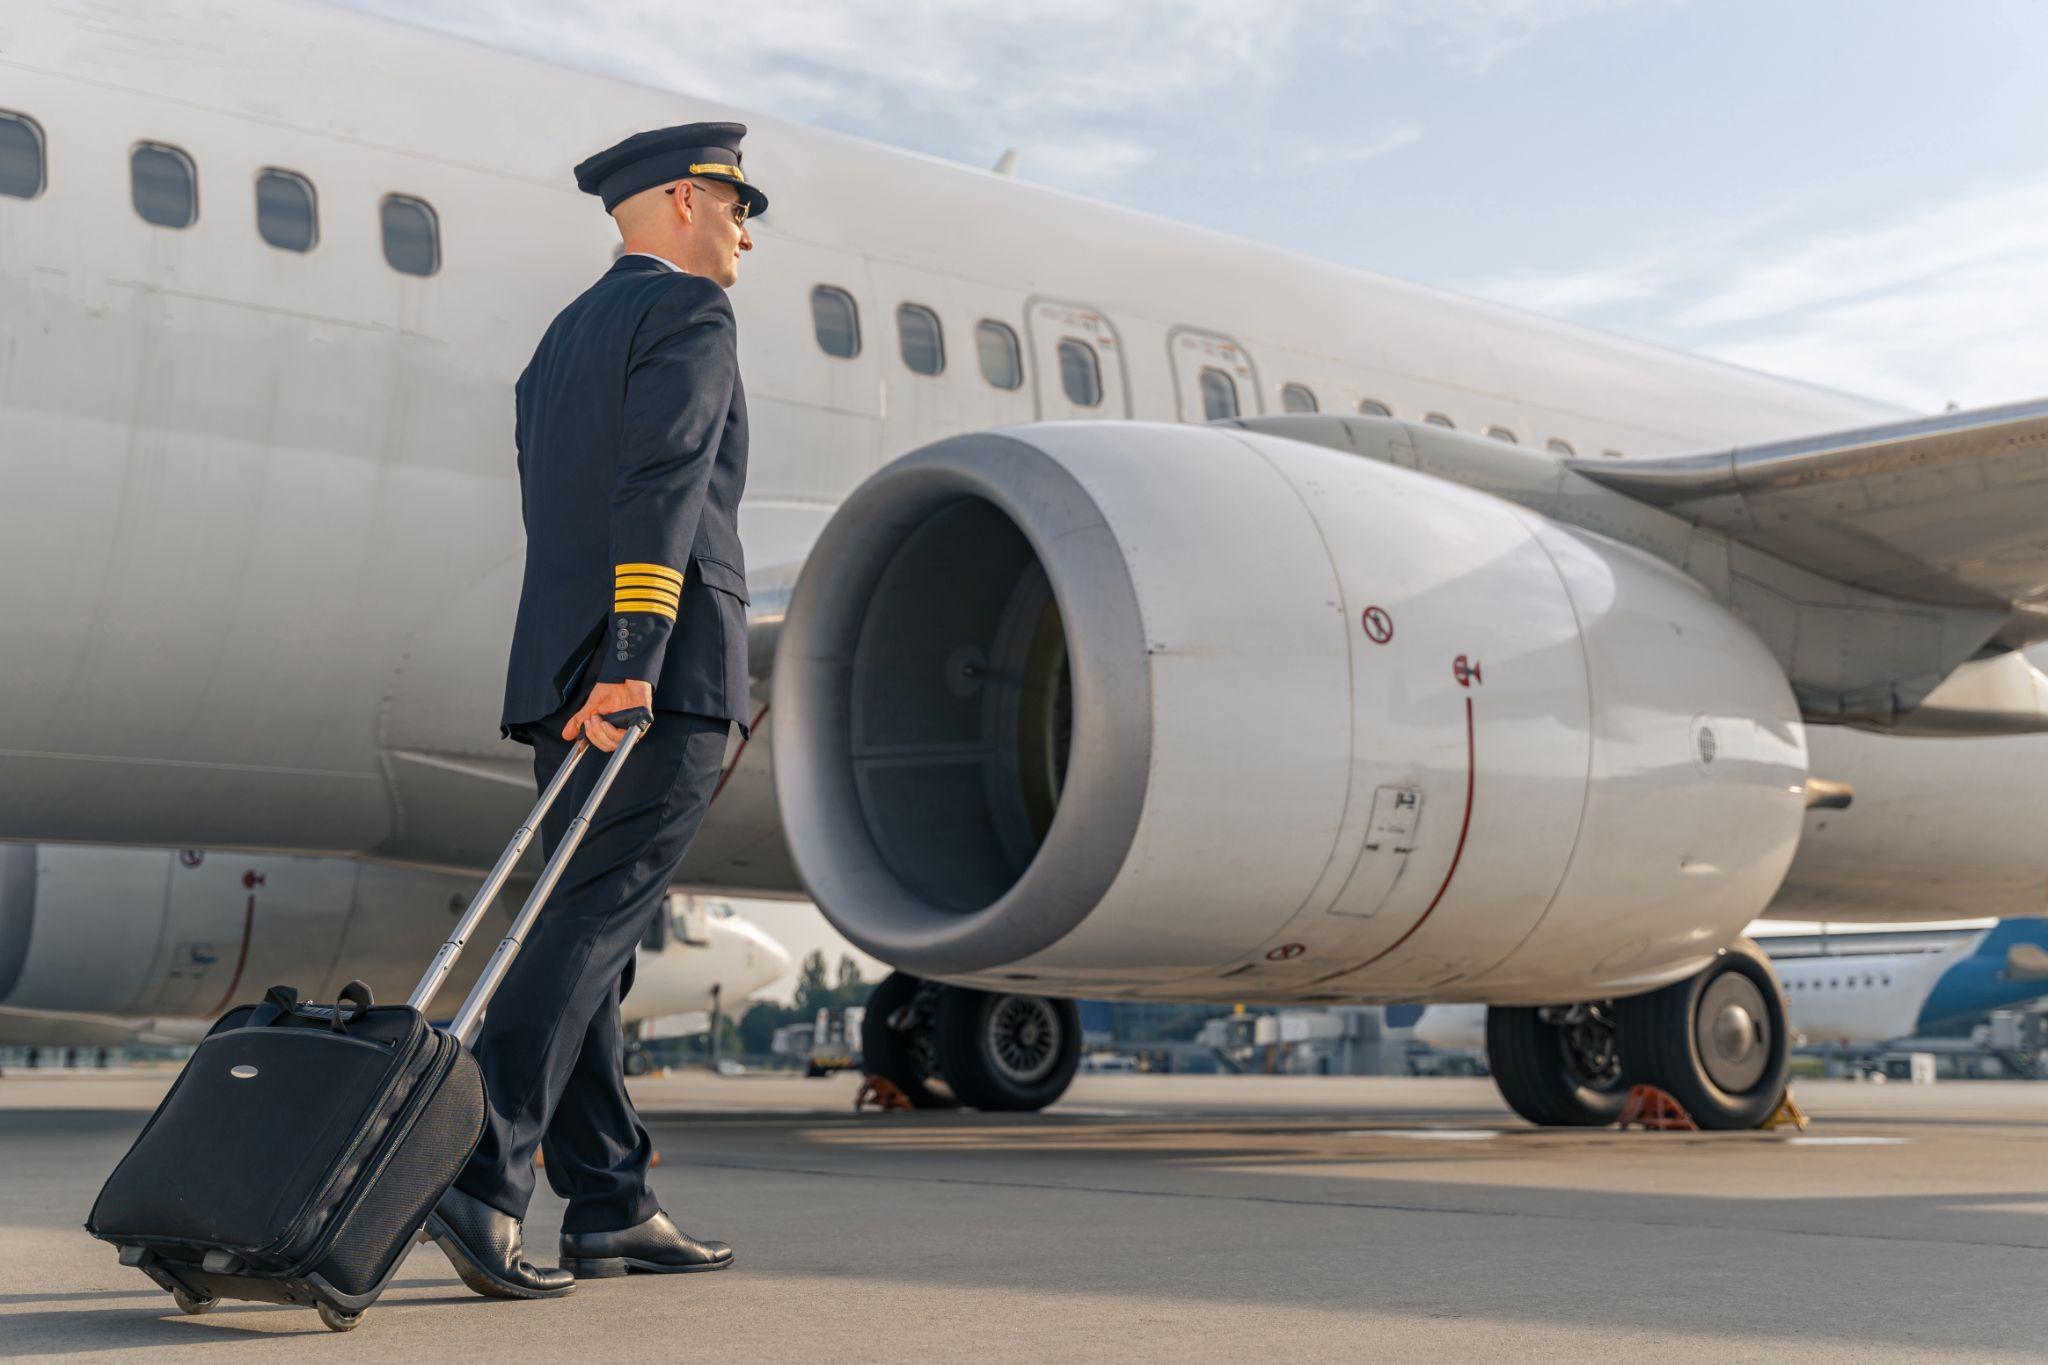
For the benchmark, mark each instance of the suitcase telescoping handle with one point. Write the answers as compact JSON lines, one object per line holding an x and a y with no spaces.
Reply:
{"x":471,"y":1014}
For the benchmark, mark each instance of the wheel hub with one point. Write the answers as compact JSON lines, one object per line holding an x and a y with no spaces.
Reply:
{"x":1585,"y":1035}
{"x":1733,"y":1032}
{"x":1023,"y":1038}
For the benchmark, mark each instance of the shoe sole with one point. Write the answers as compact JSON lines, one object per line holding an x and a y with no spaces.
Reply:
{"x":611,"y":1267}
{"x":474,"y":1274}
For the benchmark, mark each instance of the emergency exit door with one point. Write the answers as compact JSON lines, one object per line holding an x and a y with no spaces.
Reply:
{"x":1213,"y":376}
{"x":1077,"y":362}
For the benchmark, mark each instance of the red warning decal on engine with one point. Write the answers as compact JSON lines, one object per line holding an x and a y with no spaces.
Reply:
{"x":1466,"y":671}
{"x":1379,"y":627}
{"x":1286,"y":952}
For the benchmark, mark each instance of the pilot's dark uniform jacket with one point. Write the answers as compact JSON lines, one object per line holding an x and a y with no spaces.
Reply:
{"x":650,"y":578}
{"x":632,"y":436}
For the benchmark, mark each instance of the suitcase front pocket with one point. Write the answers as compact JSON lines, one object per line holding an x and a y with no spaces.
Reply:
{"x":246,"y":1139}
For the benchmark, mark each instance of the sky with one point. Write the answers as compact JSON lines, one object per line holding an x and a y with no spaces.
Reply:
{"x":1853,"y":192}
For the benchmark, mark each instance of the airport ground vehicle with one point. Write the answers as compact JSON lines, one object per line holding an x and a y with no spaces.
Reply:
{"x":835,"y":1041}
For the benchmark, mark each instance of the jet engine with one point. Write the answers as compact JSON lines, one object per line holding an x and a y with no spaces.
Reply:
{"x":1196,"y":711}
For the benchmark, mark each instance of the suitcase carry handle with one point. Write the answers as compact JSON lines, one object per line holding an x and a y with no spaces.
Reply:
{"x":471,"y":1013}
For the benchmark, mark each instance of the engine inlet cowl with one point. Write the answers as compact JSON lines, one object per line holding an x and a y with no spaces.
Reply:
{"x":943,"y":688}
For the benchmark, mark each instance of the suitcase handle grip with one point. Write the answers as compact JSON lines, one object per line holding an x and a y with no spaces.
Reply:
{"x":354,"y":993}
{"x":471,"y":1014}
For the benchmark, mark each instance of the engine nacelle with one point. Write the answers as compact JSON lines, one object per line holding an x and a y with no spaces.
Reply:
{"x":1177,"y":711}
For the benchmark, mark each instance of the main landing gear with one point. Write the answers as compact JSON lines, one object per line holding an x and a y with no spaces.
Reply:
{"x":1716,"y":1042}
{"x":945,"y":1046}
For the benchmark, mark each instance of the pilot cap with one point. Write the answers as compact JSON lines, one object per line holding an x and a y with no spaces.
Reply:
{"x":660,"y":156}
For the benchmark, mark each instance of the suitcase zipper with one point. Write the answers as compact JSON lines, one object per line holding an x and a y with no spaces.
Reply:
{"x":322,"y":1195}
{"x":401,"y":1127}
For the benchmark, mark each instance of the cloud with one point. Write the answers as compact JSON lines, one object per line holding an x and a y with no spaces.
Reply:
{"x":1473,"y":34}
{"x":1935,"y":303}
{"x":966,"y":78}
{"x":1324,"y":155}
{"x":1085,"y":160}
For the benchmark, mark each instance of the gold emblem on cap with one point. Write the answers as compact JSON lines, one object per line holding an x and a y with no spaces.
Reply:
{"x":714,"y":167}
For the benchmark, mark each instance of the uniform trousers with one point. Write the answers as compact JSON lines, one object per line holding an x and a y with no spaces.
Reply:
{"x":551,"y":1048}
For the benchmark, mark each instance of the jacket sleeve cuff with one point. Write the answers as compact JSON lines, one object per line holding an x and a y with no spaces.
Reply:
{"x":645,"y":598}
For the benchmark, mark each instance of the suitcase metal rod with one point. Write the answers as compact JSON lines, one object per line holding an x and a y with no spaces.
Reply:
{"x":444,"y":960}
{"x":472,"y":1012}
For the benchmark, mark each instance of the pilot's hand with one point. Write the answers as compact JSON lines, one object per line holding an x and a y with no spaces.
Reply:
{"x":608,"y":699}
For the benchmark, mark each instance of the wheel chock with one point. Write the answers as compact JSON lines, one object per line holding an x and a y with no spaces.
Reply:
{"x":1655,"y":1111}
{"x":1788,"y":1111}
{"x":882,"y":1092}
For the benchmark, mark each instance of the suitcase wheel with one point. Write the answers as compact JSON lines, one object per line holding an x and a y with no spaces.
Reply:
{"x":195,"y":1304}
{"x":336,"y":1320}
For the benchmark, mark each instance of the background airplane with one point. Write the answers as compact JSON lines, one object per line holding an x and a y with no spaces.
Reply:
{"x":152,"y":945}
{"x":1241,"y":627}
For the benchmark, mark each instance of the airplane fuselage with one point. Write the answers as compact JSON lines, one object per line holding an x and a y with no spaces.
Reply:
{"x":261,"y":533}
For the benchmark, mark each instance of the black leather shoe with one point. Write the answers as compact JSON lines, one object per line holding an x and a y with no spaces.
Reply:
{"x":656,"y":1246}
{"x":488,"y":1250}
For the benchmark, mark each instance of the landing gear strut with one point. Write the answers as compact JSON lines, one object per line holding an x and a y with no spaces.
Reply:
{"x":949,"y":1045}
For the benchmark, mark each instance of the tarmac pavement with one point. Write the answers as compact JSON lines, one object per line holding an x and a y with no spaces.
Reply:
{"x":1170,"y":1219}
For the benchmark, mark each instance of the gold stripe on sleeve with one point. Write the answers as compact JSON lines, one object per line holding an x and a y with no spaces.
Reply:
{"x":658,"y":570}
{"x":647,"y":604}
{"x":658,"y":587}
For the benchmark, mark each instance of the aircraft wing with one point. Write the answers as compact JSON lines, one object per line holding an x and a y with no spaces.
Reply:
{"x":1950,"y":510}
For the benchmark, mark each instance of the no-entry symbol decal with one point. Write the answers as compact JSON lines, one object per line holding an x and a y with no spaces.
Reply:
{"x":1379,"y":627}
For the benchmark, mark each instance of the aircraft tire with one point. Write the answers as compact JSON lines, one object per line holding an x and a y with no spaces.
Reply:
{"x":1717,"y":1041}
{"x":1007,"y":1053}
{"x":1542,"y":1075}
{"x":903,"y":1057}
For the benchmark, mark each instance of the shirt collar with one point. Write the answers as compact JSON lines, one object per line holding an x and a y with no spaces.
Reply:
{"x":652,"y":257}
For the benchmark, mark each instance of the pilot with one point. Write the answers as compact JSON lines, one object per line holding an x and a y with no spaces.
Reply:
{"x":632,"y":439}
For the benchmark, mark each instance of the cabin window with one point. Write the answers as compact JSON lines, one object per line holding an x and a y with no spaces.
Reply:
{"x":1372,"y":407}
{"x":1557,"y":447}
{"x":1219,"y":394}
{"x":836,"y":321}
{"x":918,"y":336}
{"x":164,"y":185}
{"x":1080,"y":375}
{"x":1297,"y":398}
{"x":21,"y":156}
{"x":1002,"y":362}
{"x":286,"y":212}
{"x":412,"y":235}
{"x":1437,"y":419}
{"x":1502,"y":434}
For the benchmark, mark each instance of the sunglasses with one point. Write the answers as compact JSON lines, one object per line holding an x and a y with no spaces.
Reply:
{"x":736,"y":207}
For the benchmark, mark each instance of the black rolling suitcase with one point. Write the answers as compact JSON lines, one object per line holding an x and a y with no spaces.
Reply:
{"x":298,"y":1154}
